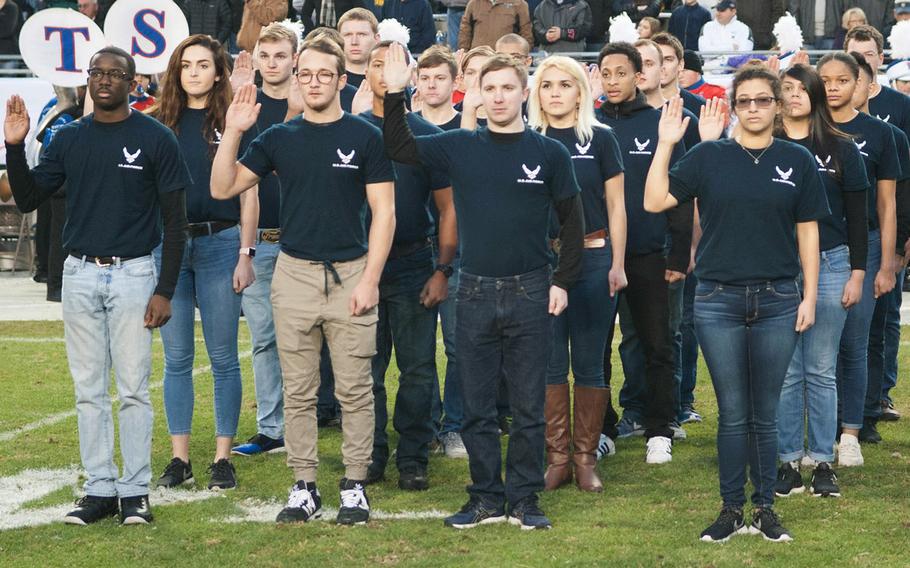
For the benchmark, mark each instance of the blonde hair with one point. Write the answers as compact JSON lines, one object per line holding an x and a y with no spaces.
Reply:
{"x":849,"y":14}
{"x":359,"y":15}
{"x":584,"y":118}
{"x":276,"y":32}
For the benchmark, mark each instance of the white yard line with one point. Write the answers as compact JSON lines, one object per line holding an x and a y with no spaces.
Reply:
{"x":61,"y":416}
{"x":19,"y":339}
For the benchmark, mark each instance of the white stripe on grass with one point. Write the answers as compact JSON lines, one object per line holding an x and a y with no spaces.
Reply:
{"x":61,"y":416}
{"x":257,"y":511}
{"x":20,"y":339}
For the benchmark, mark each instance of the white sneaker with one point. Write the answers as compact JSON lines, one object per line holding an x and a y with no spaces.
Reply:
{"x":660,"y":450}
{"x":454,"y":445}
{"x":849,"y":453}
{"x":606,"y":447}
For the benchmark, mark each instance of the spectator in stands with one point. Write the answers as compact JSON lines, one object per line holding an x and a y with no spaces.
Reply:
{"x":318,"y":13}
{"x":256,"y":15}
{"x":210,"y":17}
{"x":601,"y":11}
{"x":851,"y":18}
{"x":637,"y":9}
{"x":879,"y":13}
{"x":692,"y":80}
{"x":89,"y":8}
{"x":9,"y":31}
{"x":901,"y":13}
{"x":141,"y":97}
{"x":562,"y":25}
{"x":686,"y":22}
{"x":485,"y":21}
{"x":725,"y":32}
{"x":454,"y":13}
{"x":817,"y":21}
{"x":648,"y":27}
{"x":417,"y":15}
{"x":760,"y":16}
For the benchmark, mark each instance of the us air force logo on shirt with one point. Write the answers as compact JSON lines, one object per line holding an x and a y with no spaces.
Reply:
{"x":345,"y":160}
{"x":861,"y":145}
{"x":884,"y":118}
{"x":530,"y":175}
{"x":217,"y":139}
{"x":824,"y":165}
{"x":642,"y":148}
{"x":129,"y":158}
{"x":582,"y":152}
{"x":783,"y":176}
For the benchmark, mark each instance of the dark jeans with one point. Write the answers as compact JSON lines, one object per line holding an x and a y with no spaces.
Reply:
{"x":404,"y":322}
{"x":42,"y":236}
{"x":447,"y":411}
{"x":502,"y":325}
{"x":688,"y":359}
{"x":884,"y":341}
{"x":747,"y":336}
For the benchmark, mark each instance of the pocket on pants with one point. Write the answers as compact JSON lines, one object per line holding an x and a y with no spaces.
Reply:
{"x":360,"y":334}
{"x":707,"y":290}
{"x":785,"y":290}
{"x":71,"y":266}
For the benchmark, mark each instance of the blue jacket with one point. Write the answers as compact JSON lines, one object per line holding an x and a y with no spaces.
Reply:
{"x":417,"y":16}
{"x":686,"y":23}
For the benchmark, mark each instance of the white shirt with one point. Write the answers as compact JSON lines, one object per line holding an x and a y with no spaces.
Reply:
{"x":735,"y":36}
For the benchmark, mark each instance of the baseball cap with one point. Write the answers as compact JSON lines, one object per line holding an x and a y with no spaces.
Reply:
{"x":692,"y":61}
{"x":726,"y":5}
{"x":902,"y":7}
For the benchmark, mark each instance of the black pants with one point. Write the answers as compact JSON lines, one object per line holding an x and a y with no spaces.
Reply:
{"x":42,"y":237}
{"x":55,"y":253}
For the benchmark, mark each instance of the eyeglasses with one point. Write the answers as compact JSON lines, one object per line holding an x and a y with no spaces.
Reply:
{"x":112,"y":74}
{"x":322,"y":77}
{"x":760,"y":102}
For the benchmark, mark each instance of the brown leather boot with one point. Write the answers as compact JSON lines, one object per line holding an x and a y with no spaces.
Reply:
{"x":590,"y":404}
{"x":556,"y":413}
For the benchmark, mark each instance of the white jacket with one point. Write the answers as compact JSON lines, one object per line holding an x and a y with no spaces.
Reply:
{"x":735,"y":36}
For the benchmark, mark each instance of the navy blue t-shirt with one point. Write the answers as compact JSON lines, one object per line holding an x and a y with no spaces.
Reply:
{"x":347,"y":97}
{"x":199,"y":152}
{"x":903,"y":151}
{"x":595,"y":163}
{"x":273,"y":112}
{"x":323,"y":170}
{"x":848,"y":175}
{"x":637,"y":135}
{"x":748,"y":212}
{"x":692,"y":102}
{"x":114,"y":173}
{"x":893,"y":107}
{"x":876,"y":144}
{"x":503,"y":188}
{"x":413,"y":185}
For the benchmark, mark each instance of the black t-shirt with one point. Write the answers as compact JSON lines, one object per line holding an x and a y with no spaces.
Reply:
{"x":347,"y":96}
{"x":595,"y":163}
{"x":692,"y":102}
{"x":323,"y":170}
{"x":273,"y":112}
{"x":504,"y":187}
{"x":114,"y":173}
{"x":850,"y":175}
{"x":876,"y":144}
{"x":199,"y":152}
{"x":748,"y":212}
{"x":413,"y":185}
{"x":355,"y":79}
{"x":450,"y":125}
{"x":893,"y":107}
{"x":903,"y":151}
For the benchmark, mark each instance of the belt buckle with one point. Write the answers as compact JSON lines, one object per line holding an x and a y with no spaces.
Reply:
{"x":270,"y":236}
{"x":100,"y":264}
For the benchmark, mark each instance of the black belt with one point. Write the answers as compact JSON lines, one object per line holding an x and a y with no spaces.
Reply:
{"x":102,"y":260}
{"x":405,"y":249}
{"x":208,"y":228}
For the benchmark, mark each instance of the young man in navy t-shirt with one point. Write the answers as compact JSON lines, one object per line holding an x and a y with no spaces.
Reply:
{"x":410,"y":290}
{"x":132,"y":165}
{"x":506,"y":181}
{"x":326,"y":283}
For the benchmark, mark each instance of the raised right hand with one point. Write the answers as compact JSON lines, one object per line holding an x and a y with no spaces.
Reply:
{"x":396,"y":74}
{"x":672,"y":125}
{"x":16,"y":125}
{"x":242,"y":113}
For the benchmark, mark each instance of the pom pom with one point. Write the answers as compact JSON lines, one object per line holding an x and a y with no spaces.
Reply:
{"x":295,"y":27}
{"x":392,"y":30}
{"x":899,"y":40}
{"x":788,"y":33}
{"x":622,"y":28}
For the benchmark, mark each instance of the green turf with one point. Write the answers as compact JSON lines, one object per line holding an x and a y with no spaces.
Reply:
{"x":647,"y":515}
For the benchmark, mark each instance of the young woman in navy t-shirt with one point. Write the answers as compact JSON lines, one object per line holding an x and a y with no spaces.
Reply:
{"x":759,"y":201}
{"x":195,"y":95}
{"x":560,"y":107}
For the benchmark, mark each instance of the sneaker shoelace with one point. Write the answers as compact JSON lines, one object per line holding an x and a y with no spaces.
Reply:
{"x":301,"y":499}
{"x":354,"y":498}
{"x":221,"y":469}
{"x":768,"y":518}
{"x":729,"y":515}
{"x":175,"y":468}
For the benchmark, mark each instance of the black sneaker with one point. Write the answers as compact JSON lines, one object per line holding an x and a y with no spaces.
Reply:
{"x":824,"y":482}
{"x":476,"y":512}
{"x":355,"y":506}
{"x":413,"y":478}
{"x":375,"y":473}
{"x":766,"y":523}
{"x":304,"y":503}
{"x":224,"y":476}
{"x":527,"y":515}
{"x":135,"y":510}
{"x":728,"y":523}
{"x":91,"y":509}
{"x":177,"y":473}
{"x":869,"y":432}
{"x":789,"y":481}
{"x":889,"y":413}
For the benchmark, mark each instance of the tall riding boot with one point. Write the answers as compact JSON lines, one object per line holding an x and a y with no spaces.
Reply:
{"x":590,"y":404}
{"x":556,"y":414}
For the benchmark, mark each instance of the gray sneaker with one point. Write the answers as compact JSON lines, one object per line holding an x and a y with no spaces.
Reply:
{"x":678,"y":432}
{"x":628,"y":427}
{"x":454,"y":446}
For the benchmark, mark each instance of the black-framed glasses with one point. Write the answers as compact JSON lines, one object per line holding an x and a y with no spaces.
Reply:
{"x":760,"y":102}
{"x":112,"y":74}
{"x":322,"y":77}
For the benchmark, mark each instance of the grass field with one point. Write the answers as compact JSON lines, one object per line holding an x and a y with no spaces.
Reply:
{"x":647,"y":515}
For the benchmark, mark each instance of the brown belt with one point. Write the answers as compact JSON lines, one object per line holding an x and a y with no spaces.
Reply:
{"x":101,"y":260}
{"x":597,"y":239}
{"x":269,"y":235}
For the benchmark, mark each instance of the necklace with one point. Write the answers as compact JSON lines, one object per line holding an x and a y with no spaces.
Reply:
{"x":753,"y":156}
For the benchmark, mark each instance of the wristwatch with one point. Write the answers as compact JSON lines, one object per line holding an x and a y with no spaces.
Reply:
{"x":249,"y":251}
{"x":446,"y":270}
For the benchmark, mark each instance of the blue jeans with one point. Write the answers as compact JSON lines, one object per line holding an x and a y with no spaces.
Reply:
{"x":747,"y":336}
{"x":811,"y":381}
{"x":884,"y":341}
{"x":104,"y":322}
{"x":257,"y":307}
{"x":586,"y":323}
{"x":404,"y":322}
{"x":206,"y":279}
{"x":447,"y":413}
{"x":500,"y":328}
{"x":453,"y":26}
{"x":688,"y":358}
{"x":852,"y":361}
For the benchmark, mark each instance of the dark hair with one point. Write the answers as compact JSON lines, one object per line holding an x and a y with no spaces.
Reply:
{"x":330,"y":33}
{"x":669,"y":40}
{"x":863,"y":64}
{"x":842,"y":57}
{"x":753,"y":72}
{"x":499,"y":62}
{"x":621,"y":48}
{"x":437,"y":55}
{"x":117,"y":52}
{"x":865,"y":33}
{"x":823,"y":132}
{"x":324,"y":44}
{"x":385,"y":44}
